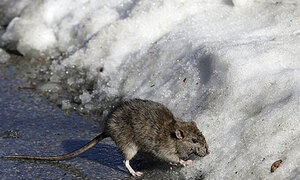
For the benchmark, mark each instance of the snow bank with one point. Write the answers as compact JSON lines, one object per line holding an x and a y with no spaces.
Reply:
{"x":231,"y":66}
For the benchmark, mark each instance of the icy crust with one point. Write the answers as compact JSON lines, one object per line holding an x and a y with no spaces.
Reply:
{"x":4,"y":57}
{"x":231,"y":66}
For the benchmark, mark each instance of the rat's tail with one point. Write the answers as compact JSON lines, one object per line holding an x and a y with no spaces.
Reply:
{"x":75,"y":153}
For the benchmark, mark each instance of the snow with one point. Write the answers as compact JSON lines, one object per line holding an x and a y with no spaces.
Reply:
{"x":49,"y":87}
{"x":231,"y":66}
{"x":4,"y":57}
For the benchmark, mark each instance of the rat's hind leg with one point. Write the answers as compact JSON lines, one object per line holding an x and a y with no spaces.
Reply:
{"x":129,"y":152}
{"x":132,"y":172}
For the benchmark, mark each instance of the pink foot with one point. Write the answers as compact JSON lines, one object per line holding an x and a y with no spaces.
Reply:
{"x":137,"y":174}
{"x":132,"y":172}
{"x":185,"y":163}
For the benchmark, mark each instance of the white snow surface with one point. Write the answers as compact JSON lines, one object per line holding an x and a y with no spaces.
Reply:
{"x":233,"y":67}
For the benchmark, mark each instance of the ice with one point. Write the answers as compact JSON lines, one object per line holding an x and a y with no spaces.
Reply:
{"x":85,"y":97}
{"x":232,"y":66}
{"x":66,"y":105}
{"x":4,"y":57}
{"x":50,"y":87}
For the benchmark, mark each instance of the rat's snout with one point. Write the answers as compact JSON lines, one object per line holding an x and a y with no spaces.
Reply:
{"x":207,"y":151}
{"x":202,"y":151}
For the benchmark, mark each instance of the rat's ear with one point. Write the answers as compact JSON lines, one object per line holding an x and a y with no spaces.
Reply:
{"x":179,"y":134}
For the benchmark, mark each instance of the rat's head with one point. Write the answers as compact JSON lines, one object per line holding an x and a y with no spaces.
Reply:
{"x":189,"y":140}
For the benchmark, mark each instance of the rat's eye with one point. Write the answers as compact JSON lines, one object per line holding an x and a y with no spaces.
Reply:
{"x":195,"y":140}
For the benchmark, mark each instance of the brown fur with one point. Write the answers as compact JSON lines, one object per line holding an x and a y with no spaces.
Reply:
{"x":143,"y":125}
{"x":149,"y":126}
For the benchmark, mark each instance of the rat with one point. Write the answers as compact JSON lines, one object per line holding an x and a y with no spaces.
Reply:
{"x":147,"y":126}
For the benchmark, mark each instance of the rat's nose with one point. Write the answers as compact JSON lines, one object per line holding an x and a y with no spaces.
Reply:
{"x":207,"y":151}
{"x":203,"y":151}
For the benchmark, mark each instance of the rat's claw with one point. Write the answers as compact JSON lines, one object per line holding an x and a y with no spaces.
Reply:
{"x":188,"y":162}
{"x":172,"y":165}
{"x":185,"y":163}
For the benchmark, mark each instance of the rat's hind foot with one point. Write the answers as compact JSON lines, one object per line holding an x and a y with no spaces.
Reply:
{"x":185,"y":163}
{"x":132,"y":172}
{"x":137,"y":174}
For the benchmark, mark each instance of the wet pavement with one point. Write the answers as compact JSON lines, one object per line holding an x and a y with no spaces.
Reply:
{"x":31,"y":125}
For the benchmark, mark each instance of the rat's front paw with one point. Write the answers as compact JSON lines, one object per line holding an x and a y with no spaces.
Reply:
{"x":185,"y":163}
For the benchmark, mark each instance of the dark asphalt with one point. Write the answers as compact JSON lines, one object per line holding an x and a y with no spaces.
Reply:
{"x":31,"y":125}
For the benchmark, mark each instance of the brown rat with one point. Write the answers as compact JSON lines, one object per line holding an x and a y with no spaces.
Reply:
{"x":143,"y":125}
